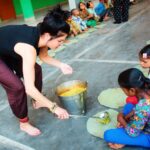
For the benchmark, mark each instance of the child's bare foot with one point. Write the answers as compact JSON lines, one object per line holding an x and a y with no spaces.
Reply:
{"x":106,"y":18}
{"x":86,"y":29}
{"x":115,"y":146}
{"x":66,"y":41}
{"x":29,"y":129}
{"x":119,"y":146}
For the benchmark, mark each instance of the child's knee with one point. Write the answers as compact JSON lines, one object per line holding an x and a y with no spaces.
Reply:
{"x":107,"y":135}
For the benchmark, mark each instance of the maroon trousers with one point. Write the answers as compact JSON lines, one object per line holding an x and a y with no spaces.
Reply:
{"x":15,"y":89}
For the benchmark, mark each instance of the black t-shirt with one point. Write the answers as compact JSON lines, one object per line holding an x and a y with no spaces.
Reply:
{"x":12,"y":34}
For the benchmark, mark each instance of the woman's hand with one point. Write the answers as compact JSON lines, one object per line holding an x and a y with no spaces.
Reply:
{"x":66,"y":69}
{"x":61,"y":113}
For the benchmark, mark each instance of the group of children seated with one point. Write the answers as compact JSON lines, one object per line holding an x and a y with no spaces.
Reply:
{"x":133,"y":127}
{"x":88,"y":16}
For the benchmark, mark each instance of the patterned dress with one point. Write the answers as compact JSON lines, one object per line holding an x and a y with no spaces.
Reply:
{"x":141,"y":119}
{"x":73,"y":26}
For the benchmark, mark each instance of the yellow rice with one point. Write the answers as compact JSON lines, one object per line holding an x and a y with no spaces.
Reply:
{"x":73,"y":91}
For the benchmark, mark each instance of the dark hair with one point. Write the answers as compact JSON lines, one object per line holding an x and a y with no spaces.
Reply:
{"x":133,"y":78}
{"x":54,"y":22}
{"x":88,"y":4}
{"x":145,"y":50}
{"x":67,"y":14}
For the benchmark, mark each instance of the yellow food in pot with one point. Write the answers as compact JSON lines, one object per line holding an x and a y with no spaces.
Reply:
{"x":73,"y":91}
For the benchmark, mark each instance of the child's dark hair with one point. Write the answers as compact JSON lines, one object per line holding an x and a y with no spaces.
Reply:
{"x":145,"y":50}
{"x":54,"y":22}
{"x":67,"y":14}
{"x":133,"y":78}
{"x":88,"y":4}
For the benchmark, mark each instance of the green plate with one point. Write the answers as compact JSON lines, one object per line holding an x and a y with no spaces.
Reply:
{"x":97,"y":129}
{"x":113,"y":98}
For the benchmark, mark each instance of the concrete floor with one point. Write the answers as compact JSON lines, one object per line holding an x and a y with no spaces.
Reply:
{"x":98,"y":59}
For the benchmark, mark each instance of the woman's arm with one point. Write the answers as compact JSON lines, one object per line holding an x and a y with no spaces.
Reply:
{"x":28,"y":54}
{"x":43,"y":55}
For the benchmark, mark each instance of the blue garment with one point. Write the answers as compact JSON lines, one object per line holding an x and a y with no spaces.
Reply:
{"x":100,"y":9}
{"x":128,"y":108}
{"x":120,"y":136}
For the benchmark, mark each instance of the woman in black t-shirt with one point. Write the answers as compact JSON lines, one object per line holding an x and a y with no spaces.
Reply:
{"x":20,"y":45}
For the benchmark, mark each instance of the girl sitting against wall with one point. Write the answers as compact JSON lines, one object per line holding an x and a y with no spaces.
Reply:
{"x":84,"y":14}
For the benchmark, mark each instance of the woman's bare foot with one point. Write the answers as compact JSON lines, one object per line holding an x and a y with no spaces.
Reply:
{"x":29,"y":129}
{"x":115,"y":146}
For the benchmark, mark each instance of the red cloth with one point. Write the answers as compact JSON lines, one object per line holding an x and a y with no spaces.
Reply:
{"x":132,"y":99}
{"x":24,"y":120}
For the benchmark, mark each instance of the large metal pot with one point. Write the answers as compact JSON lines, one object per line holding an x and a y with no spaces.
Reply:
{"x":74,"y":104}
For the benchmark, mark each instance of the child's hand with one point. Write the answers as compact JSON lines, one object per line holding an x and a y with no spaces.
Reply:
{"x":66,"y":69}
{"x":119,"y":125}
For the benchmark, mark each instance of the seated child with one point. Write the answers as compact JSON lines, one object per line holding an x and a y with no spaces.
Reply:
{"x":74,"y":27}
{"x":88,"y":18}
{"x":76,"y":18}
{"x":108,"y":3}
{"x":103,"y":10}
{"x":91,"y":10}
{"x":109,"y":7}
{"x":135,"y":127}
{"x":144,"y":57}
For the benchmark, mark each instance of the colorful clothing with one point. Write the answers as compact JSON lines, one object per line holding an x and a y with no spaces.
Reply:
{"x":84,"y":14}
{"x":141,"y":119}
{"x":119,"y":136}
{"x":89,"y":22}
{"x":95,"y":16}
{"x":80,"y":22}
{"x":92,"y":11}
{"x":73,"y":26}
{"x":100,"y":8}
{"x":137,"y":132}
{"x":132,"y":99}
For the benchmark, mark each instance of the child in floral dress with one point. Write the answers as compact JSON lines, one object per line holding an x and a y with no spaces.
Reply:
{"x":134,"y":127}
